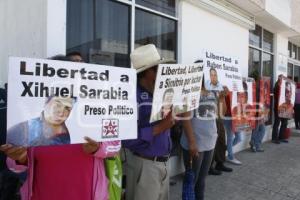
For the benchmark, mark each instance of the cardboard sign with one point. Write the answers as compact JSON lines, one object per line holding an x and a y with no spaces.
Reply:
{"x":177,"y":89}
{"x":286,"y":101}
{"x":264,"y":97}
{"x":243,"y":106}
{"x":221,"y":70}
{"x":55,"y":102}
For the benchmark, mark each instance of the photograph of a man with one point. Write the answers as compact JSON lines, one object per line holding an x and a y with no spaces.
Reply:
{"x":242,"y":111}
{"x":167,"y":105}
{"x":48,"y":129}
{"x":213,"y":83}
{"x":287,"y":108}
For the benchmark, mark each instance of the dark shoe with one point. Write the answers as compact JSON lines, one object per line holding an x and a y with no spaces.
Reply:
{"x":222,"y":167}
{"x":275,"y":141}
{"x":214,"y":172}
{"x":284,"y":141}
{"x":252,"y":148}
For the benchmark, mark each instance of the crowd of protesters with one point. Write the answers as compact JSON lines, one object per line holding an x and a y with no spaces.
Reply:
{"x":77,"y":171}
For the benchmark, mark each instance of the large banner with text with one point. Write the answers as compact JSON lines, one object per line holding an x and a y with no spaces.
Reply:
{"x":56,"y":102}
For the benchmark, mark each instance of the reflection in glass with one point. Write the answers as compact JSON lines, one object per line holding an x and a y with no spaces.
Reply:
{"x":294,"y":52}
{"x":268,"y":71}
{"x":267,"y":65}
{"x":296,"y":73}
{"x":254,"y":61}
{"x":290,"y":49}
{"x":255,"y":36}
{"x":164,"y":6}
{"x":151,"y":28}
{"x":99,"y":30}
{"x":268,"y":41}
{"x":290,"y":70}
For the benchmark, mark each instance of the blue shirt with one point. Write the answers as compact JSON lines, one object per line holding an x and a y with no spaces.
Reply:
{"x":36,"y":132}
{"x":147,"y":144}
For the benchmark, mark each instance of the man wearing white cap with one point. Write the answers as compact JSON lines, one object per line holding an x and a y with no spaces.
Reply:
{"x":48,"y":129}
{"x":147,"y":168}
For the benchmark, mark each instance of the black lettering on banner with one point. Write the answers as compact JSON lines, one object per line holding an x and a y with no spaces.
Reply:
{"x":23,"y":69}
{"x":27,"y":89}
{"x":124,"y":78}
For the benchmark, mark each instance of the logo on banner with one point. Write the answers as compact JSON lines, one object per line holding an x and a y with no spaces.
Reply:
{"x":110,"y":128}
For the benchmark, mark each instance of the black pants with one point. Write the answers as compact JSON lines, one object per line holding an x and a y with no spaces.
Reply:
{"x":220,"y":149}
{"x":200,"y":168}
{"x":283,"y":122}
{"x":297,"y":115}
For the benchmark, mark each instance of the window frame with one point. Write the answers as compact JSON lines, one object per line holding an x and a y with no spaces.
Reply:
{"x":134,"y":5}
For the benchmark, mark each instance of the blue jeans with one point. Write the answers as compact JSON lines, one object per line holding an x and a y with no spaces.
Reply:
{"x":232,"y":138}
{"x":258,"y":135}
{"x":200,"y":167}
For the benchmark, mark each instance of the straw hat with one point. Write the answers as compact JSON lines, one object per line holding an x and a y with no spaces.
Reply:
{"x":145,"y":57}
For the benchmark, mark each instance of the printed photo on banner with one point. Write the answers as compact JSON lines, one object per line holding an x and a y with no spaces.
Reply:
{"x":177,"y":89}
{"x":243,"y":106}
{"x":286,"y":98}
{"x":221,"y":70}
{"x":264,"y":97}
{"x":55,"y":102}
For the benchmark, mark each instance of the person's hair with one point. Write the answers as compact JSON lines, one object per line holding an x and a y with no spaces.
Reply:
{"x":143,"y":73}
{"x":74,"y":53}
{"x":199,"y":61}
{"x":60,"y":57}
{"x":212,"y":69}
{"x":169,"y":90}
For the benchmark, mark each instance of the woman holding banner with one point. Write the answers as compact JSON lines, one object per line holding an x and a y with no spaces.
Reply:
{"x":63,"y":172}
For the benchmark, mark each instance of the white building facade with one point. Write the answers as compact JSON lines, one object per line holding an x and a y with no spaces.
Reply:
{"x":263,"y":34}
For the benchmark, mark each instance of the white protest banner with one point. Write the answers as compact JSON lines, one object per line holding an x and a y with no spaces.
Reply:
{"x":287,"y":92}
{"x":220,"y":70}
{"x":177,"y":89}
{"x":55,"y":102}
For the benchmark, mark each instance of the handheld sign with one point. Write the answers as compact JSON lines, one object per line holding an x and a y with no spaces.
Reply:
{"x":177,"y":89}
{"x":56,"y":102}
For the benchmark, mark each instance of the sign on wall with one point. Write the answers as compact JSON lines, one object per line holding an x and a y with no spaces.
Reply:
{"x":177,"y":89}
{"x":55,"y":102}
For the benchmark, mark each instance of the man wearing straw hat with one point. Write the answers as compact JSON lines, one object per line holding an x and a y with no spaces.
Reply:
{"x":147,"y":168}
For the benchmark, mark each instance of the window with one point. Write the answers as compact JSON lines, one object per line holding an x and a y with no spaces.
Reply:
{"x":268,"y":41}
{"x":101,"y":30}
{"x":290,"y":49}
{"x":290,"y":72}
{"x":254,"y":62}
{"x":261,"y":56}
{"x":255,"y":36}
{"x":165,"y":6}
{"x":151,"y":28}
{"x":294,"y":51}
{"x":298,"y":53}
